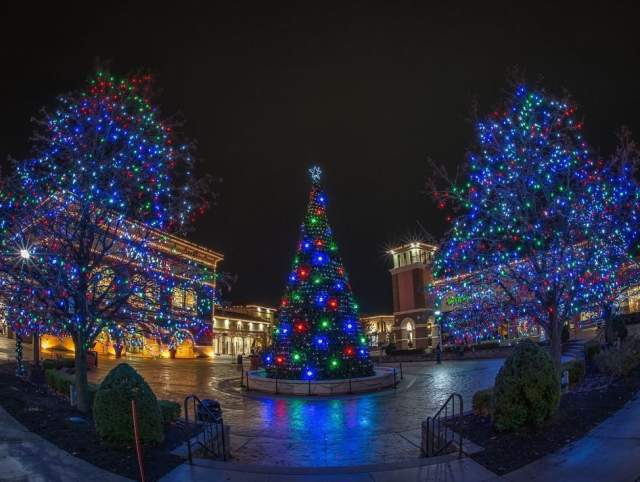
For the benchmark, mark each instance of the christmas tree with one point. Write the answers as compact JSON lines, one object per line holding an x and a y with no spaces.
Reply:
{"x":318,"y":334}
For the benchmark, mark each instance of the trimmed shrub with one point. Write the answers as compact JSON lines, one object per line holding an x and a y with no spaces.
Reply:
{"x":576,"y":370}
{"x":527,"y":389}
{"x":483,"y":403}
{"x":489,"y":345}
{"x":61,"y":382}
{"x":170,"y":411}
{"x":112,"y":408}
{"x":591,"y":349}
{"x":409,"y":351}
{"x":620,"y":362}
{"x":58,"y":363}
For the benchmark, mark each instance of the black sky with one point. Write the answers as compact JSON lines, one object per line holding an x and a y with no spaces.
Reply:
{"x":366,"y":91}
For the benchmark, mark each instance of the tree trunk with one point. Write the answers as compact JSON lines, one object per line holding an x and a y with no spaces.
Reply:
{"x":118,"y":349}
{"x":82,"y":386}
{"x":36,"y":348}
{"x":555,"y":334}
{"x":19,"y":360}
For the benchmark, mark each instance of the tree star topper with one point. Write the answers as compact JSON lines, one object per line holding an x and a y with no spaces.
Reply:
{"x":315,"y":172}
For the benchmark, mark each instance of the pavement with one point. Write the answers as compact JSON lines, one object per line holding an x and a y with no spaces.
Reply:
{"x":25,"y":456}
{"x":438,"y":469}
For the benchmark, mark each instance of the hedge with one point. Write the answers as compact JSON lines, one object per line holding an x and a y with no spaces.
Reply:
{"x":170,"y":411}
{"x":61,"y":382}
{"x":483,"y":403}
{"x":58,"y":363}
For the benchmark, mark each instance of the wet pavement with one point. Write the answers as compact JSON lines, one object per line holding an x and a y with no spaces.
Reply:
{"x":346,"y":430}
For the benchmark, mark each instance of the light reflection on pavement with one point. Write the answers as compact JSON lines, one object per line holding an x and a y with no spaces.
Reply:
{"x":360,"y":429}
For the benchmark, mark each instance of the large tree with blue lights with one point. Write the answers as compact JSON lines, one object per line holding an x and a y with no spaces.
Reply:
{"x":318,"y":333}
{"x":83,"y":217}
{"x":542,"y":227}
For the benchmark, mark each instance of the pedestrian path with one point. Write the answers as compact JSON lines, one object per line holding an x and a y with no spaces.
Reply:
{"x":610,"y":452}
{"x":440,"y":469}
{"x":25,"y":456}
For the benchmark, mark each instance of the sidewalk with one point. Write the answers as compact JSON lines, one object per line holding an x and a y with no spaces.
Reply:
{"x":610,"y":452}
{"x":25,"y":456}
{"x":438,"y":469}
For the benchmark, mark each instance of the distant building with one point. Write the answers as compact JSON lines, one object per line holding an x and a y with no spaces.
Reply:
{"x":413,"y":308}
{"x":378,"y":328}
{"x":239,"y":330}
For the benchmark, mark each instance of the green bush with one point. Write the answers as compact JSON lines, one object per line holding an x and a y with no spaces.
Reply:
{"x":58,"y":363}
{"x":527,"y":389}
{"x":170,"y":411}
{"x":112,"y":408}
{"x":576,"y":370}
{"x":483,"y":403}
{"x":61,"y":382}
{"x":489,"y":345}
{"x":591,"y":349}
{"x":620,"y":362}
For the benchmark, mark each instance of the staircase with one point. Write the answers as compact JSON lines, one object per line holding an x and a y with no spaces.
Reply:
{"x":573,"y":350}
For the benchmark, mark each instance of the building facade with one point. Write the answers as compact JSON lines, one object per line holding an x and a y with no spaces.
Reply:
{"x":413,"y":308}
{"x":378,"y":329}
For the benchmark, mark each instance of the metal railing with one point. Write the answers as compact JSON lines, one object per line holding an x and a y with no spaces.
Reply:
{"x":208,"y":428}
{"x":437,"y":436}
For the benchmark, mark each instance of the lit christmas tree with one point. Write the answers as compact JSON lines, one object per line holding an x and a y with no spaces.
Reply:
{"x":85,"y":221}
{"x":544,"y":227}
{"x":318,"y":333}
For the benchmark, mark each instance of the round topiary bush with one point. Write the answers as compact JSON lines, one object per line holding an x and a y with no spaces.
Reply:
{"x":112,"y":408}
{"x":527,"y":389}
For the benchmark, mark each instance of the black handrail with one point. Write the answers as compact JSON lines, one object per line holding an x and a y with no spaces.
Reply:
{"x":437,"y":436}
{"x":212,"y":422}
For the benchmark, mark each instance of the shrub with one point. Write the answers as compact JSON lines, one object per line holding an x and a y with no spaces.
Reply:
{"x":170,"y":411}
{"x":591,"y":349}
{"x":483,"y":403}
{"x":61,"y":382}
{"x":489,"y":345}
{"x":576,"y":370}
{"x":409,"y":351}
{"x":527,"y":389}
{"x":112,"y":408}
{"x":58,"y":363}
{"x":620,"y":361}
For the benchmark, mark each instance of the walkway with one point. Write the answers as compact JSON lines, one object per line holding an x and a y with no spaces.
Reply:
{"x":610,"y":452}
{"x":25,"y":456}
{"x":444,"y":469}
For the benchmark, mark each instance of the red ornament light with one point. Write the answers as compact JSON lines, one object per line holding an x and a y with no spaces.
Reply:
{"x":319,"y":243}
{"x":348,"y":351}
{"x":300,"y":326}
{"x":303,"y":272}
{"x":279,"y":359}
{"x":332,"y":303}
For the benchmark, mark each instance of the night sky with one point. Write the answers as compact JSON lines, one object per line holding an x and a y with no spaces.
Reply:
{"x":366,"y":92}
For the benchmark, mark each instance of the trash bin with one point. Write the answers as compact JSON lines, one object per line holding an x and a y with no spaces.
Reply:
{"x":212,"y":412}
{"x":239,"y":360}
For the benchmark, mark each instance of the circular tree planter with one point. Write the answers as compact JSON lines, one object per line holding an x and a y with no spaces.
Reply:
{"x":384,"y":377}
